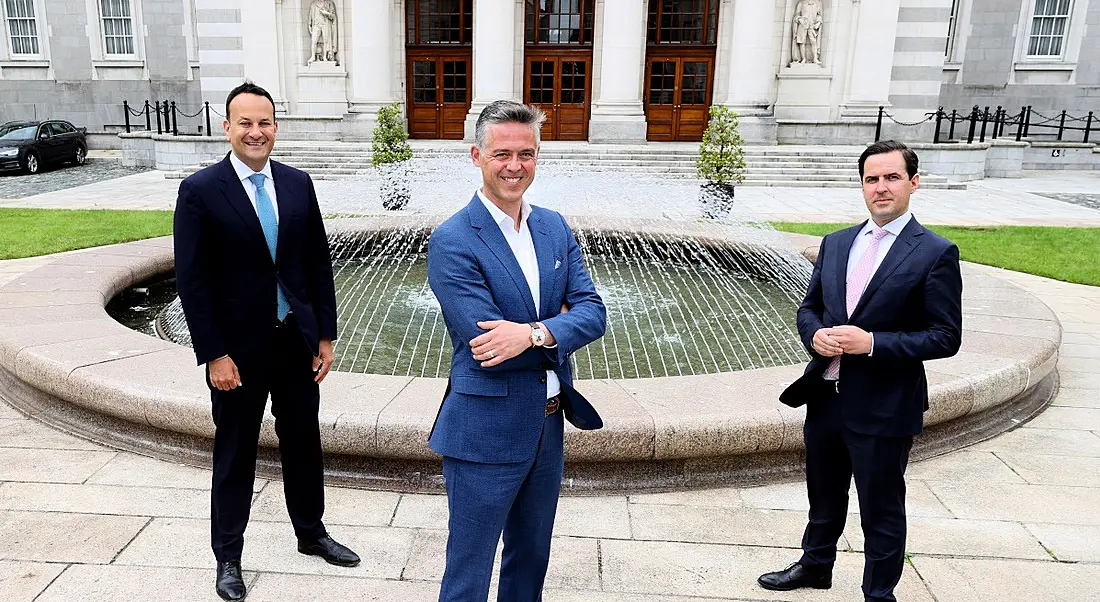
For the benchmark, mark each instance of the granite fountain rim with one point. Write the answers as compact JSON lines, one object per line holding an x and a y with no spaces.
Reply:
{"x":57,"y":342}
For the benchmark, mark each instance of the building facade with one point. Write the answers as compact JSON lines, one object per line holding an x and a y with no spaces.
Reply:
{"x":606,"y":71}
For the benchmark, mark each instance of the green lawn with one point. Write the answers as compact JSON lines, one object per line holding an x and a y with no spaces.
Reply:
{"x":1069,"y":254}
{"x":31,"y":232}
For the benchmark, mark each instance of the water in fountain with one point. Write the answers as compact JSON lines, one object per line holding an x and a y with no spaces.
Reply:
{"x":684,"y":294}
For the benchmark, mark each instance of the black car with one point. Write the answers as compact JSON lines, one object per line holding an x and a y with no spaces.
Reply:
{"x":30,"y":145}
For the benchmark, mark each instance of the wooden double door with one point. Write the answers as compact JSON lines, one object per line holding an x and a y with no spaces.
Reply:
{"x":678,"y":91}
{"x":439,"y":94}
{"x":559,"y":83}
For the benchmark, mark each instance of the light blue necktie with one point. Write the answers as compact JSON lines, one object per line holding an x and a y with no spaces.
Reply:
{"x":271,"y":232}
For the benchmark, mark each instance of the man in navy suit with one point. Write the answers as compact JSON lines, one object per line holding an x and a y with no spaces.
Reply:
{"x":255,"y":278}
{"x":884,"y":297}
{"x":517,"y":302}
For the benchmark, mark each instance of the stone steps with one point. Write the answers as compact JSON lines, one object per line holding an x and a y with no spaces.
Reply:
{"x":803,"y":166}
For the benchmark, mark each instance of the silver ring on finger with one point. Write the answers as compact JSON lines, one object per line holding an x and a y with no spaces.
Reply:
{"x":492,"y":354}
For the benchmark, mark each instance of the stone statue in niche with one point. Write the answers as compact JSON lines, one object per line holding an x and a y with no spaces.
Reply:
{"x":806,"y":48}
{"x":322,"y":31}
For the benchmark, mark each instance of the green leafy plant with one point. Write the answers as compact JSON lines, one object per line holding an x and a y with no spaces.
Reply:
{"x":721,"y":154}
{"x":390,"y":153}
{"x":390,"y":144}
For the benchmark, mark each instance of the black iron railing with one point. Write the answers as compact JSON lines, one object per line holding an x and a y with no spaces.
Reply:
{"x":979,"y":124}
{"x":168,"y":114}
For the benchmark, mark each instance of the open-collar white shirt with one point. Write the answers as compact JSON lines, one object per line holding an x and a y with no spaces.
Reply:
{"x":244,"y":172}
{"x":523,"y":247}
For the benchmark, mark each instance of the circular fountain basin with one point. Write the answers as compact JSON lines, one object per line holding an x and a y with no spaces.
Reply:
{"x":65,"y":361}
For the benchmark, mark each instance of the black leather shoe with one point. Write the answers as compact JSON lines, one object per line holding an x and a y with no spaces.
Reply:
{"x":230,"y":584}
{"x":327,"y":548}
{"x":794,"y":577}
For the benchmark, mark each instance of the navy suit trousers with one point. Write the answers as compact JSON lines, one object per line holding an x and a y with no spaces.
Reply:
{"x":519,"y":499}
{"x":834,"y":454}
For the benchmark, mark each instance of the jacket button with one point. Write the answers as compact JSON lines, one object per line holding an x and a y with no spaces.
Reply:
{"x":542,"y":379}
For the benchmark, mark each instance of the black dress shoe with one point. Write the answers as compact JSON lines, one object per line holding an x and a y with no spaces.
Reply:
{"x":327,"y":548}
{"x":230,"y":584}
{"x":794,"y":577}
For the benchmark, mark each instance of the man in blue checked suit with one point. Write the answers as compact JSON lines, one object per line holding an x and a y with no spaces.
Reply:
{"x":518,"y":302}
{"x":255,"y":278}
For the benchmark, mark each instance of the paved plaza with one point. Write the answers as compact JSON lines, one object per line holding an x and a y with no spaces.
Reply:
{"x":1013,"y":518}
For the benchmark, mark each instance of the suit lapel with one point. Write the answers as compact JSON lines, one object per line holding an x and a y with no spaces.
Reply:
{"x":489,"y":233}
{"x":906,"y":243}
{"x":544,"y":252}
{"x":238,"y":200}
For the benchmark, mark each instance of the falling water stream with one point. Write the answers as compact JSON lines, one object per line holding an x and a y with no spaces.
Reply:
{"x":684,"y":295}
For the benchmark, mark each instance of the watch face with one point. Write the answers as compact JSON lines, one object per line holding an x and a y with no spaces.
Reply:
{"x":538,"y":336}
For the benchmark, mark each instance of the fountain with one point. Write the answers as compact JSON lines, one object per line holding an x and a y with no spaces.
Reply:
{"x":700,"y":342}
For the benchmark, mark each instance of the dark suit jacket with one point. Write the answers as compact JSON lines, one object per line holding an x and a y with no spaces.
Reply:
{"x":224,"y":273}
{"x":912,"y":305}
{"x":496,"y":414}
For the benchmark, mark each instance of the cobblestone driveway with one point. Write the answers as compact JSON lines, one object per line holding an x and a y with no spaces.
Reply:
{"x":17,"y":185}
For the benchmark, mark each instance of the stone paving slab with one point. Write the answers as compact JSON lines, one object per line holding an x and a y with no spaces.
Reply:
{"x":1071,"y":543}
{"x":342,"y":506}
{"x":31,"y":434}
{"x":956,"y":537}
{"x":271,"y":547}
{"x":275,"y":587}
{"x":132,"y":470}
{"x":23,"y":581}
{"x":105,"y":499}
{"x":1078,"y":398}
{"x":1041,"y":469}
{"x":964,"y":466}
{"x":65,"y":537}
{"x":1014,"y":502}
{"x":89,"y":583}
{"x":50,"y":465}
{"x":673,"y":568}
{"x":1068,"y":418}
{"x":1035,"y":440}
{"x":990,"y":580}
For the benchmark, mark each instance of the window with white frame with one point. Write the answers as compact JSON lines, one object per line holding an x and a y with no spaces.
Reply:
{"x":118,"y":26}
{"x":1049,"y":24}
{"x":22,"y":27}
{"x":952,"y":25}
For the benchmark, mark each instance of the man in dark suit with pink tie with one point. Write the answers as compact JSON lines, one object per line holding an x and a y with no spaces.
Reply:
{"x":885,"y":296}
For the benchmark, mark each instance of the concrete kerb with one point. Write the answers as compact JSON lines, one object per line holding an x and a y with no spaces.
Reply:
{"x":72,"y":366}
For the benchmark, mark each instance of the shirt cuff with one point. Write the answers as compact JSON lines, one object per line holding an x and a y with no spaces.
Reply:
{"x":872,"y":351}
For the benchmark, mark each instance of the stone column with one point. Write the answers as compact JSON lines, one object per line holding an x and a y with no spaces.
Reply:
{"x":748,"y":63}
{"x":373,"y":36}
{"x":871,"y":61}
{"x":618,"y":114}
{"x":494,"y":57}
{"x":259,"y":36}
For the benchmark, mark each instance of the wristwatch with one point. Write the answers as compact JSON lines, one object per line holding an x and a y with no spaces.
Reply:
{"x":538,"y":335}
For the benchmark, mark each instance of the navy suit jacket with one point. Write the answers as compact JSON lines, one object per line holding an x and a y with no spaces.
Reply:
{"x":912,"y":305}
{"x":224,"y":272}
{"x":496,"y":414}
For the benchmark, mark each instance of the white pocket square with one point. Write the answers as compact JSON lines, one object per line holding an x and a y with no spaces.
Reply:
{"x":557,"y":263}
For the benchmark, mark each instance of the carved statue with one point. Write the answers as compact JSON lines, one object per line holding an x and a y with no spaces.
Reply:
{"x":807,"y":32}
{"x":322,"y":31}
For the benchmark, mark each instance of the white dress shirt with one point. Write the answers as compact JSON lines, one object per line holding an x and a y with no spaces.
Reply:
{"x":523,"y":247}
{"x":863,"y":240}
{"x":244,"y":172}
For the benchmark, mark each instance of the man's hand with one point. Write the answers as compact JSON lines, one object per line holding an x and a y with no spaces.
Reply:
{"x":852,"y":339}
{"x":223,"y":374}
{"x":323,"y":363}
{"x":504,"y":341}
{"x":825,"y":344}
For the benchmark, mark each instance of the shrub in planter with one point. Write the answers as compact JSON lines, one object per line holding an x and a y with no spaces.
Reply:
{"x":721,"y":162}
{"x":390,"y":154}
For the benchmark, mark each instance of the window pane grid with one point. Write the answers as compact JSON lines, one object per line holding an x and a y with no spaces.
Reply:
{"x":447,"y":22}
{"x":424,"y":82}
{"x":559,"y":22}
{"x":118,"y":26}
{"x":22,"y":27}
{"x":689,"y":22}
{"x":1048,"y":28}
{"x":662,"y":83}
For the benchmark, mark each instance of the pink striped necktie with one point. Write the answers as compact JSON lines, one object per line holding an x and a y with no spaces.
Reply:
{"x":857,"y":282}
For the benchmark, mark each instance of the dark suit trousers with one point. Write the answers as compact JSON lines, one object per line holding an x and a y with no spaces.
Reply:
{"x":285,"y":370}
{"x":519,"y":499}
{"x":834,"y":454}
